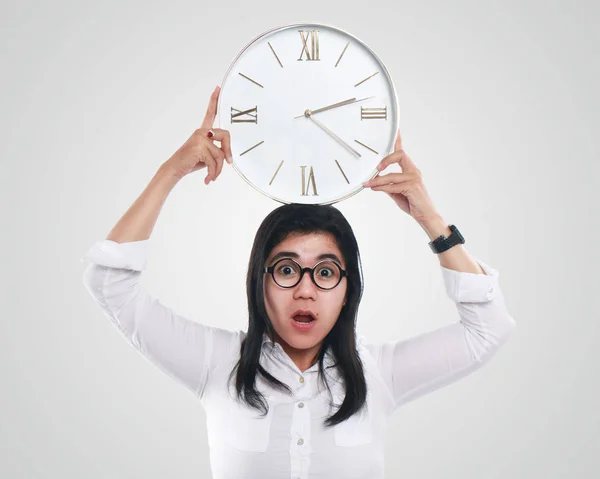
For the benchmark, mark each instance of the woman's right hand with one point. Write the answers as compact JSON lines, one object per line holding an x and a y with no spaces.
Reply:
{"x":199,"y":151}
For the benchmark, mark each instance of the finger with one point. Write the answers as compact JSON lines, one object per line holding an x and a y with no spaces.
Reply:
{"x":219,"y":157}
{"x":400,"y":157}
{"x":393,"y":188}
{"x":211,"y":110}
{"x":225,"y":138}
{"x":407,"y":164}
{"x":387,"y":179}
{"x":210,"y":162}
{"x":388,"y":160}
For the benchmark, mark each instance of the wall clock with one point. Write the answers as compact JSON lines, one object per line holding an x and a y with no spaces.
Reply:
{"x":311,"y":110}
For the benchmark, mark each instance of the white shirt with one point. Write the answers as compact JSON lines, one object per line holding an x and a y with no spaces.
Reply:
{"x":291,"y":442}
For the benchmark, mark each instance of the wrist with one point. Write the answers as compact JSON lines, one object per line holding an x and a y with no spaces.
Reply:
{"x":170,"y":170}
{"x":435,"y":226}
{"x":167,"y":176}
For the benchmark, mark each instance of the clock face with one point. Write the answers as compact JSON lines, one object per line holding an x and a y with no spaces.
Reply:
{"x":289,"y":138}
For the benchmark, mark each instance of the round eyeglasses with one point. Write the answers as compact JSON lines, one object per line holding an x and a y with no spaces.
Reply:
{"x":287,"y":273}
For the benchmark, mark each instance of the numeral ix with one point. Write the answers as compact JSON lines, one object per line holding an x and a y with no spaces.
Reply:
{"x":245,"y":116}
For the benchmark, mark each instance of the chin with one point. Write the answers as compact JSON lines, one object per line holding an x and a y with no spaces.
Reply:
{"x":301,"y":339}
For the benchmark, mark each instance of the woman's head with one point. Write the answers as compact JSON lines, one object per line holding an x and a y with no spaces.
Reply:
{"x":307,"y":231}
{"x":323,"y":298}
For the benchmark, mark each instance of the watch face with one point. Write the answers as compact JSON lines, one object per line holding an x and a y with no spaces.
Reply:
{"x":289,"y":137}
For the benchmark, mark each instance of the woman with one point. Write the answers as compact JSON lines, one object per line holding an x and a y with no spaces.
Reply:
{"x":287,"y":399}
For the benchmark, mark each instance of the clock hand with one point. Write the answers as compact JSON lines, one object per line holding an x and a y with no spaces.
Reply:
{"x":331,"y":133}
{"x":335,"y":105}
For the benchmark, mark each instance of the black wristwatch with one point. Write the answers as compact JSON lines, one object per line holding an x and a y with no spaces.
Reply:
{"x":441,"y":243}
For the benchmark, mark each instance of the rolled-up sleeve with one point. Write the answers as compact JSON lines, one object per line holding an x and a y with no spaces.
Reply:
{"x":185,"y":350}
{"x":422,"y":364}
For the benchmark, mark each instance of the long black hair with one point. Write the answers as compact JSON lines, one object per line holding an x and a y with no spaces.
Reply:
{"x":279,"y":224}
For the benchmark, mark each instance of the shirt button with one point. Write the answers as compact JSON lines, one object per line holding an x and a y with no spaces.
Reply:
{"x":300,"y":441}
{"x":301,"y":379}
{"x":301,"y":404}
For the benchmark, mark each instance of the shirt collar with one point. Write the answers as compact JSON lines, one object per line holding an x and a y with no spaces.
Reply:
{"x":328,"y":360}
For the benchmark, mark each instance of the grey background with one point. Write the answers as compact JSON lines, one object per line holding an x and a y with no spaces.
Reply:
{"x":498,"y":108}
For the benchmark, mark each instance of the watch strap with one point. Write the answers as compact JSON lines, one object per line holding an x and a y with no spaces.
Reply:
{"x":441,"y":243}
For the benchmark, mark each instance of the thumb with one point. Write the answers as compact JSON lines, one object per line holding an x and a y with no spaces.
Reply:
{"x":398,"y":143}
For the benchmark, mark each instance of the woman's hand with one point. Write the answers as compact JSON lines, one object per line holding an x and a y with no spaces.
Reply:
{"x":199,"y":151}
{"x":406,"y":188}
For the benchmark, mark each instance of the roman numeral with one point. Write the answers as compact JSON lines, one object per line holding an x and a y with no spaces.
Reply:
{"x":305,"y":184}
{"x":246,"y":116}
{"x":312,"y":54}
{"x":373,"y":113}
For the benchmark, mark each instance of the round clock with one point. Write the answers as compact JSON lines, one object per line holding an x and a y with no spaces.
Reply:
{"x":311,"y":110}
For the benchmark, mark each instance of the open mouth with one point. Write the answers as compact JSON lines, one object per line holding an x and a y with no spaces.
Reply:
{"x":303,"y":319}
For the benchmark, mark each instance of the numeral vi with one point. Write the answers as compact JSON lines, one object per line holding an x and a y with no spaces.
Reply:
{"x":306,"y":184}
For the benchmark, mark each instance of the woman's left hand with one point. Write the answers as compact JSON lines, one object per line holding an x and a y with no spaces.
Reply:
{"x":406,"y":188}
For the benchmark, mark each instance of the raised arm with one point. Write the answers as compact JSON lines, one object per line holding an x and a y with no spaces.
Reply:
{"x":416,"y":366}
{"x":196,"y":153}
{"x":422,"y":364}
{"x":184,"y":349}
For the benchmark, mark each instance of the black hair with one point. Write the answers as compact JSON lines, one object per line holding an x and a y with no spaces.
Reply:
{"x":302,"y":219}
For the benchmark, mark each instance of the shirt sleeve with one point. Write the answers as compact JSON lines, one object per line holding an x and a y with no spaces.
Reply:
{"x":185,"y":350}
{"x":422,"y":364}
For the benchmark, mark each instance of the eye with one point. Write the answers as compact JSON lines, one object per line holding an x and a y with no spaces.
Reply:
{"x":328,"y":272}
{"x":286,"y":270}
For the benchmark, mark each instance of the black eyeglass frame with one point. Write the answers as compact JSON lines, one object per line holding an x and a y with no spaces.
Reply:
{"x":271,"y":270}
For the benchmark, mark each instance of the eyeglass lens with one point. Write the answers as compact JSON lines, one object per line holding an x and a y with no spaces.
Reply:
{"x":287,"y":273}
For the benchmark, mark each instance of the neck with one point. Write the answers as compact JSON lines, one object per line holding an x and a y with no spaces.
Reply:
{"x":303,"y":358}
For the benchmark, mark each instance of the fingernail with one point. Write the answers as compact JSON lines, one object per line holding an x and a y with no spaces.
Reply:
{"x":229,"y":159}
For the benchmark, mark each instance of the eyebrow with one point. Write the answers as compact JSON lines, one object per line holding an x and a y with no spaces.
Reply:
{"x":291,"y":254}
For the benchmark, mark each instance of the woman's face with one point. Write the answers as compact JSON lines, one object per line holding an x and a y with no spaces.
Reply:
{"x":282,"y":303}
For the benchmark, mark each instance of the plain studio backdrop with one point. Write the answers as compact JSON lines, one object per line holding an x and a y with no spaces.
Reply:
{"x":498,"y":107}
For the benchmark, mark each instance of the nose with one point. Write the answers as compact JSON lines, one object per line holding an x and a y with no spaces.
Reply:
{"x":305,"y":288}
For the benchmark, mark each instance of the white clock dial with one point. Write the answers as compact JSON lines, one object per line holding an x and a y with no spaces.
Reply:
{"x":295,"y":156}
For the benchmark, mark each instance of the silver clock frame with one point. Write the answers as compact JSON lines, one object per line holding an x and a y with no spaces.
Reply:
{"x":395,"y":119}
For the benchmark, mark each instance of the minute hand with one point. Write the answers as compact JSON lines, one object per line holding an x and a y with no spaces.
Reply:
{"x":335,"y":105}
{"x":331,"y":133}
